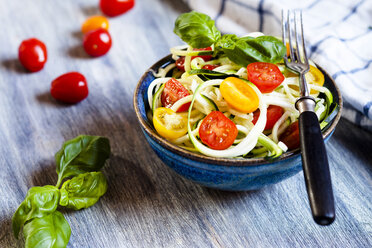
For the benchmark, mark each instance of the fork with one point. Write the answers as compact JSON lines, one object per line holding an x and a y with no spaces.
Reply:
{"x":314,"y":156}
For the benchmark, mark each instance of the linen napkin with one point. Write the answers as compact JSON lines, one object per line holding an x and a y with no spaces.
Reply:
{"x":338,"y":35}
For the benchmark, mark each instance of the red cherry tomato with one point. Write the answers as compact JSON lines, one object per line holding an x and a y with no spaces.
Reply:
{"x":32,"y":54}
{"x":291,"y":136}
{"x":97,"y":42}
{"x":174,"y":91}
{"x":265,"y":76}
{"x":204,"y":57}
{"x":273,"y":115}
{"x":115,"y":7}
{"x":210,"y":67}
{"x":71,"y":87}
{"x":180,"y":62}
{"x":217,"y":131}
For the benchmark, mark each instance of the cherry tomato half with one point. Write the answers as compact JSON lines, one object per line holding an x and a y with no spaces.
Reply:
{"x":217,"y":131}
{"x":97,"y":42}
{"x":313,"y":76}
{"x":32,"y":54}
{"x":239,"y":95}
{"x":265,"y":76}
{"x":273,"y":115}
{"x":174,"y":91}
{"x":115,"y":7}
{"x":291,"y":136}
{"x":204,"y":57}
{"x":93,"y":23}
{"x":180,"y":62}
{"x":169,"y":124}
{"x":71,"y":87}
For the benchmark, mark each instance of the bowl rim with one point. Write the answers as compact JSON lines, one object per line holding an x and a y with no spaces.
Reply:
{"x":221,"y":161}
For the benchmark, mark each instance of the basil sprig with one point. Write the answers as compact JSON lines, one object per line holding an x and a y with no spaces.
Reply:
{"x":80,"y":158}
{"x":198,"y":30}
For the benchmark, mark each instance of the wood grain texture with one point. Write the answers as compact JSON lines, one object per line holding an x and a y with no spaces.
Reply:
{"x":147,"y":204}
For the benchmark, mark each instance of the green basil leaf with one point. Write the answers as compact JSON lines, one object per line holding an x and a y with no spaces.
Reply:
{"x":51,"y":231}
{"x":83,"y":191}
{"x":246,"y":50}
{"x":196,"y":29}
{"x":81,"y":154}
{"x":39,"y":201}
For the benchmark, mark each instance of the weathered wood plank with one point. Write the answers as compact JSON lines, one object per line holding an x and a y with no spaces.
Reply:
{"x":147,"y":204}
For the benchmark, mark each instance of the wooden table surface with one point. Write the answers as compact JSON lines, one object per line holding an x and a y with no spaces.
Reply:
{"x":147,"y":204}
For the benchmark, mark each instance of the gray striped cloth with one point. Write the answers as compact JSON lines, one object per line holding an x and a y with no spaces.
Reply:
{"x":338,"y":35}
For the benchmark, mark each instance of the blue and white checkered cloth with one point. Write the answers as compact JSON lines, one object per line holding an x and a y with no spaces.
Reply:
{"x":338,"y":35}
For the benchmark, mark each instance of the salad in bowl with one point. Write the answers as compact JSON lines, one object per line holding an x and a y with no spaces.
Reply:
{"x":225,"y":96}
{"x":220,"y":110}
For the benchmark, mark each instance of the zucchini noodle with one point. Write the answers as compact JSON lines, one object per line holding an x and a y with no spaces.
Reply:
{"x":164,"y":71}
{"x":152,"y":86}
{"x":274,"y":133}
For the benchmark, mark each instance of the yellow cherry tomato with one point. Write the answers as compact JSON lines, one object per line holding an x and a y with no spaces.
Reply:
{"x":93,"y":23}
{"x":169,"y":124}
{"x":314,"y":76}
{"x":239,"y":95}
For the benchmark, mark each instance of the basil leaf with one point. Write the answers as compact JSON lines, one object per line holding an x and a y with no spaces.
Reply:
{"x":39,"y":201}
{"x":246,"y":50}
{"x":196,"y":29}
{"x":83,"y":191}
{"x":81,"y":154}
{"x":52,"y":231}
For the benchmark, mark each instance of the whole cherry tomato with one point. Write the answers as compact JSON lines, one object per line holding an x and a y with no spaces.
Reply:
{"x":265,"y":76}
{"x":273,"y":115}
{"x":115,"y":7}
{"x":180,"y":62}
{"x":93,"y":23}
{"x":71,"y":87}
{"x":174,"y":91}
{"x":97,"y":42}
{"x":217,"y":131}
{"x":291,"y":136}
{"x":32,"y":54}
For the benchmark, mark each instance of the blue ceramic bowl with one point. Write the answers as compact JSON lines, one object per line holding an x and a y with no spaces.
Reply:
{"x":234,"y":174}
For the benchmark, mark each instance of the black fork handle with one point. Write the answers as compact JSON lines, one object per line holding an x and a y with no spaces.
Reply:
{"x":316,"y":169}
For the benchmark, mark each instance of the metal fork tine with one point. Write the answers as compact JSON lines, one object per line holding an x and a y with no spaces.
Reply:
{"x":303,"y":40}
{"x":290,"y":35}
{"x":284,"y":33}
{"x":297,"y":36}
